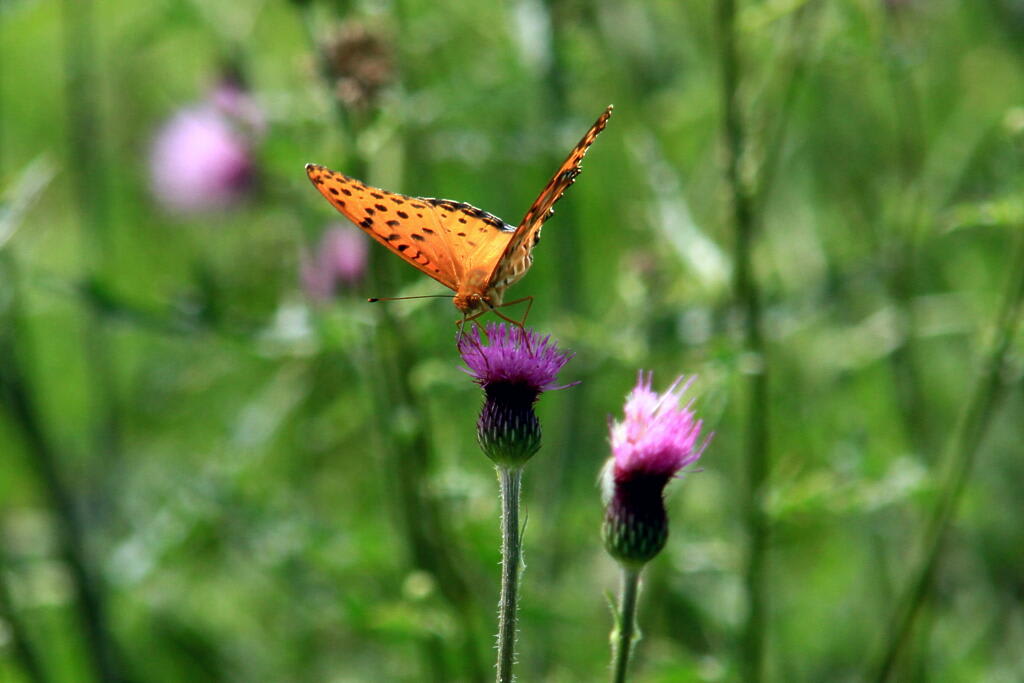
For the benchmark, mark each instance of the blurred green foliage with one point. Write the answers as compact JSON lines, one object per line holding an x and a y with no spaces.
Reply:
{"x":268,"y":488}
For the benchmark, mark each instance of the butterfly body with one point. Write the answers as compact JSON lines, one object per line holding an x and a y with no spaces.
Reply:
{"x":472,"y":252}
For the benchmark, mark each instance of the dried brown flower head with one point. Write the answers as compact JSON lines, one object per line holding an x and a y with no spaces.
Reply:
{"x":361,"y":62}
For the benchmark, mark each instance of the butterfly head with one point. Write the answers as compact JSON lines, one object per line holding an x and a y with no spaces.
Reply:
{"x":471,"y":302}
{"x":472,"y":295}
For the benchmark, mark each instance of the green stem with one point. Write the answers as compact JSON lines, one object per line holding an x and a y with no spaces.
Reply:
{"x":17,"y":398}
{"x":964,"y":445}
{"x":625,"y":624}
{"x":511,"y":554}
{"x":87,"y":178}
{"x":425,"y":531}
{"x":24,"y":650}
{"x":88,"y":183}
{"x":749,"y":298}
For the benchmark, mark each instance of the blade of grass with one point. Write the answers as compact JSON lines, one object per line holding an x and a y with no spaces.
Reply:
{"x":21,"y":406}
{"x":24,"y":651}
{"x":87,"y":177}
{"x":964,"y":444}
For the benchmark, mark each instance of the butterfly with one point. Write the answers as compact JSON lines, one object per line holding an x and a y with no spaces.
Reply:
{"x":472,"y":252}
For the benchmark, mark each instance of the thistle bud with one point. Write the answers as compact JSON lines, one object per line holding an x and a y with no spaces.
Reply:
{"x":656,"y":439}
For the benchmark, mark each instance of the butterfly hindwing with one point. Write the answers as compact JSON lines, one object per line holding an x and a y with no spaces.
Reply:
{"x":517,"y":256}
{"x":411,"y":227}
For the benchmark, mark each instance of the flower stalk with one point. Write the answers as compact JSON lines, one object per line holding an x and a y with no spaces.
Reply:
{"x":510,"y":480}
{"x":625,"y":623}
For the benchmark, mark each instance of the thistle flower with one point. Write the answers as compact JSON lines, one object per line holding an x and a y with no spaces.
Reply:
{"x":339,"y":260}
{"x":201,"y":158}
{"x":656,"y":439}
{"x":514,"y":368}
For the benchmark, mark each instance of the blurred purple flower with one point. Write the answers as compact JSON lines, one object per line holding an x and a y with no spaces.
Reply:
{"x":340,"y":260}
{"x":201,"y":158}
{"x":656,"y":439}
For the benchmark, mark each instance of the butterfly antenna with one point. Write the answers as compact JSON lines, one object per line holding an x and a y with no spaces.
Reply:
{"x":375,"y":299}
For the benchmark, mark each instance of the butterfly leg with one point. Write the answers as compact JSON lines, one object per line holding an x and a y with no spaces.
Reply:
{"x":526,"y":313}
{"x":504,"y":317}
{"x":461,"y":324}
{"x":518,"y":323}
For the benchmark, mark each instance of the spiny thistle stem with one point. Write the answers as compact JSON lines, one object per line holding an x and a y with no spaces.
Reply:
{"x":625,"y":623}
{"x":510,"y":479}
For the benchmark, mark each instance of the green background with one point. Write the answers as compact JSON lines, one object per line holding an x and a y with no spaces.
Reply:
{"x":265,"y":488}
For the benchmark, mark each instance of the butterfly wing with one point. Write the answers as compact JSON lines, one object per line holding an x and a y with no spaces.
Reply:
{"x":476,"y":238}
{"x":517,"y":256}
{"x":411,"y":227}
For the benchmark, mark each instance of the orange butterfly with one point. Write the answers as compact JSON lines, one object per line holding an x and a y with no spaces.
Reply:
{"x":475,"y":254}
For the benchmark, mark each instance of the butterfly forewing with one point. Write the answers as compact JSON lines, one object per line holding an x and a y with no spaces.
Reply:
{"x":517,"y":256}
{"x":411,"y":227}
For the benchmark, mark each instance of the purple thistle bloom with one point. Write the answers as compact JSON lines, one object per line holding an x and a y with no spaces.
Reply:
{"x":201,"y":158}
{"x":513,"y":356}
{"x":656,"y":439}
{"x":514,"y":368}
{"x":340,"y":260}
